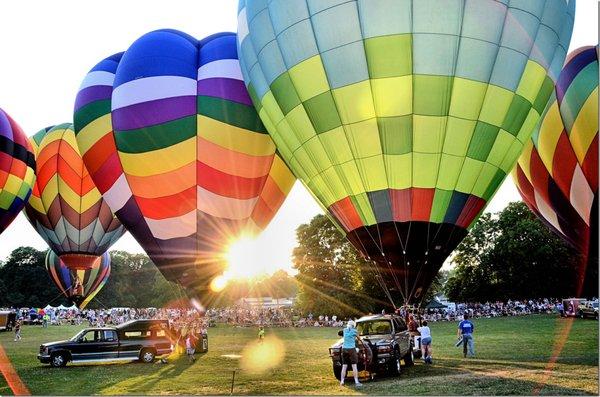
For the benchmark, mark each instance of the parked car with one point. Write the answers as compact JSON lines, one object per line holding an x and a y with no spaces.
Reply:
{"x":142,"y":340}
{"x":588,"y":309}
{"x":571,"y":306}
{"x":7,"y":320}
{"x":384,"y":343}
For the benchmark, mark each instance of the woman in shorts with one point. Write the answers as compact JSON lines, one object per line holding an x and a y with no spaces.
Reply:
{"x":425,"y":342}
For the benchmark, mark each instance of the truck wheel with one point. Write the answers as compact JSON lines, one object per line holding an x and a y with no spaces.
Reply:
{"x":596,"y":316}
{"x":58,"y":360}
{"x":409,"y":359}
{"x":147,"y":356}
{"x":337,"y":372}
{"x":581,"y":315}
{"x":394,"y":367}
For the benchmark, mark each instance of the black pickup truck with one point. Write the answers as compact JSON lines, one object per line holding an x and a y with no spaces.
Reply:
{"x":142,"y":340}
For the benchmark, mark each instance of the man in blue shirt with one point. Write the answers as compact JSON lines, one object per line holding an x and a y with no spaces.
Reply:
{"x":465,"y":330}
{"x":349,"y":353}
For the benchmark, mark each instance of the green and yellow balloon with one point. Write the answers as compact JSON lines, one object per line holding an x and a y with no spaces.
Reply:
{"x":402,"y":118}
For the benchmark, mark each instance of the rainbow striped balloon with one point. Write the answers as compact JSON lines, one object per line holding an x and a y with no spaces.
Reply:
{"x":170,"y":136}
{"x":66,"y":208}
{"x":17,"y":170}
{"x":557,"y":174}
{"x":79,"y":286}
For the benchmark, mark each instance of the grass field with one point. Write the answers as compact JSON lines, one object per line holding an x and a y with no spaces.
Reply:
{"x":513,"y":357}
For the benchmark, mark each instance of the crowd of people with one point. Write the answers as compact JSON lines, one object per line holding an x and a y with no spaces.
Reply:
{"x":270,"y":317}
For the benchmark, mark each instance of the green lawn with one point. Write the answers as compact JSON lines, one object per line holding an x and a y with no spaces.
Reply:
{"x":512,"y":358}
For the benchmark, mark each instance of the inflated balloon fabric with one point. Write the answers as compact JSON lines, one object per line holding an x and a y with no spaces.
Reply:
{"x":170,"y":135}
{"x":17,"y":170}
{"x":402,"y":117}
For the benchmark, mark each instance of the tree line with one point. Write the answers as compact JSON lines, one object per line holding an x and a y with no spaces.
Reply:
{"x":134,"y":281}
{"x":507,"y":255}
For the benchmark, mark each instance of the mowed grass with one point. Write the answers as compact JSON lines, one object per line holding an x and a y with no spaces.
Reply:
{"x":513,"y":357}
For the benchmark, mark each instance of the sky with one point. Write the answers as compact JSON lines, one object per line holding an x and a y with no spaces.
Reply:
{"x":48,"y":47}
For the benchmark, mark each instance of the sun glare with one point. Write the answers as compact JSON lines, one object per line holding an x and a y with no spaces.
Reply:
{"x":245,"y":260}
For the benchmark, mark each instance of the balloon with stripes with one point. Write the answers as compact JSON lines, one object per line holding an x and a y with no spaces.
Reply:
{"x":17,"y":170}
{"x":170,"y":135}
{"x":66,"y":208}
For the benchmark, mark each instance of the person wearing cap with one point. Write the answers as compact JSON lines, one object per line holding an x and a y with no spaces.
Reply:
{"x":349,"y":352}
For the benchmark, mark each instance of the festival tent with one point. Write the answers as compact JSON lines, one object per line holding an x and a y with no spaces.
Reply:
{"x":435,"y":304}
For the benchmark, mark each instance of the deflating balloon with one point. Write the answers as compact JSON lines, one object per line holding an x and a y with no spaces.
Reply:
{"x":402,"y":117}
{"x":79,"y":285}
{"x":171,"y":138}
{"x":17,"y":170}
{"x":66,"y":208}
{"x":557,"y":174}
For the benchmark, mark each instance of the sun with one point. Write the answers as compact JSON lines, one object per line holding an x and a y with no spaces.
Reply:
{"x":245,"y":260}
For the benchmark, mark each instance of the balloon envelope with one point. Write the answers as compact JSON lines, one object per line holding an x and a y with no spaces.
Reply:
{"x":17,"y":170}
{"x":557,"y":174}
{"x":66,"y":208}
{"x":170,"y":136}
{"x":78,"y":285}
{"x":402,"y":117}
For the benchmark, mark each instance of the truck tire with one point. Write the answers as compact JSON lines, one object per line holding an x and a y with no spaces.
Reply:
{"x":147,"y":356}
{"x":581,"y":315}
{"x":409,"y":358}
{"x":394,"y":367}
{"x":58,"y":360}
{"x":337,"y":372}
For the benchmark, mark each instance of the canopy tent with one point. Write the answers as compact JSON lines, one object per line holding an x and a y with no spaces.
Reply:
{"x":435,"y":304}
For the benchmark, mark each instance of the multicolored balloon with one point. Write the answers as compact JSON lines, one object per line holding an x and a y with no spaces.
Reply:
{"x":402,"y":117}
{"x":557,"y":174}
{"x":80,"y":286}
{"x":66,"y":208}
{"x":17,"y":170}
{"x":171,"y":138}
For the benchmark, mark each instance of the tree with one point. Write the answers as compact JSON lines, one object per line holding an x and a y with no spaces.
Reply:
{"x":512,"y":255}
{"x":25,"y":281}
{"x":332,"y":277}
{"x":134,"y":281}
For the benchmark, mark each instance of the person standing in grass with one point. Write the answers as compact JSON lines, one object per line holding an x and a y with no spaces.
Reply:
{"x":425,"y":343}
{"x":189,"y":348}
{"x":18,"y":330}
{"x":465,"y":330}
{"x":349,"y":352}
{"x":261,"y":334}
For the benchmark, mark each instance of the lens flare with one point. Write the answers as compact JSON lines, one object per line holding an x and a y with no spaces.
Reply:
{"x":219,"y":283}
{"x":259,"y":357}
{"x":244,"y":259}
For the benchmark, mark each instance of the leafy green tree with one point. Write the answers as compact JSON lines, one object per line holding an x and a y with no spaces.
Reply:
{"x":134,"y":281}
{"x":25,"y":281}
{"x":332,"y":277}
{"x":512,"y":255}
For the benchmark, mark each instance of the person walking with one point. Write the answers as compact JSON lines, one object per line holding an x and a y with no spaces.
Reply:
{"x":349,"y":353}
{"x":465,"y":330}
{"x":425,"y":343}
{"x":18,"y":330}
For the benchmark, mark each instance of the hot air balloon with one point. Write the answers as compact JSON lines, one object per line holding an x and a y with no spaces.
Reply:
{"x":17,"y":170}
{"x":402,"y":118}
{"x":173,"y":142}
{"x":79,"y":285}
{"x":66,"y":208}
{"x":557,"y":174}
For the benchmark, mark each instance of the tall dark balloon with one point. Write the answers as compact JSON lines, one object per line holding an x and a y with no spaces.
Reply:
{"x":17,"y":170}
{"x":557,"y":174}
{"x":402,"y":117}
